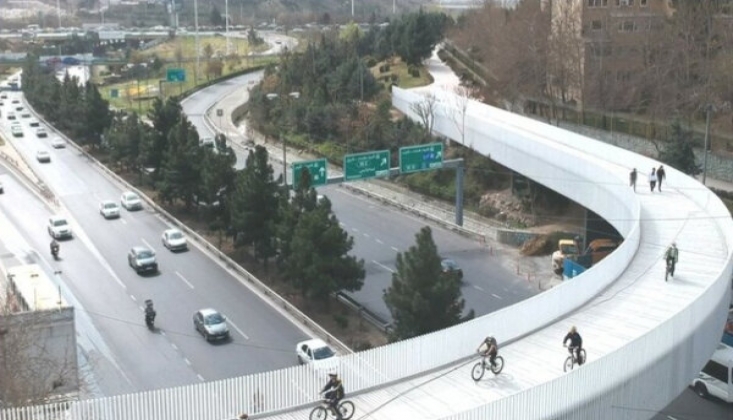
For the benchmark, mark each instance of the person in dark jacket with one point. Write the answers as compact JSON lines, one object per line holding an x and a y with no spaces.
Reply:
{"x":576,"y":343}
{"x":632,"y":179}
{"x":661,"y":174}
{"x":334,"y":392}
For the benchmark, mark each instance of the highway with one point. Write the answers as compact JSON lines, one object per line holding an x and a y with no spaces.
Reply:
{"x":95,"y":270}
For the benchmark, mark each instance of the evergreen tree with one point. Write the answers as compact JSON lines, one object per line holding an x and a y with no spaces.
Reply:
{"x":422,"y":298}
{"x":96,"y":115}
{"x":254,"y":204}
{"x":181,"y":164}
{"x":164,"y":116}
{"x":678,"y":152}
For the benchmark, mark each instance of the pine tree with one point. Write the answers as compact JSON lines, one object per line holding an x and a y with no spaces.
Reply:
{"x":678,"y":152}
{"x":422,"y":298}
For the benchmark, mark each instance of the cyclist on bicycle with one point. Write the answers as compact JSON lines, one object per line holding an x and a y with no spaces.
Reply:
{"x":334,"y":391}
{"x":671,"y":257}
{"x":576,"y":343}
{"x":489,"y":347}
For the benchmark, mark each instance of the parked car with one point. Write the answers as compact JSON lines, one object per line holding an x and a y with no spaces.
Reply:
{"x":41,"y":132}
{"x":109,"y":209}
{"x":211,"y":324}
{"x":43,"y":156}
{"x":131,"y":201}
{"x":58,"y":227}
{"x":174,"y":239}
{"x":142,"y":259}
{"x":315,"y":352}
{"x":58,"y":143}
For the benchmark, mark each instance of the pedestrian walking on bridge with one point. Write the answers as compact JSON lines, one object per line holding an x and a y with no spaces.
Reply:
{"x":632,"y":179}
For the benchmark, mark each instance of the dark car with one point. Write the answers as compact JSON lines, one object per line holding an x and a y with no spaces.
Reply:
{"x":142,"y":259}
{"x":211,"y":324}
{"x":450,"y":266}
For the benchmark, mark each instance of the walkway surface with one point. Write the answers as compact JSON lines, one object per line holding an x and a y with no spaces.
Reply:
{"x":538,"y":358}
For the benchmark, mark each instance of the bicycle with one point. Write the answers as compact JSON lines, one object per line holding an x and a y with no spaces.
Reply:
{"x":480,"y":367}
{"x":670,"y":269}
{"x":571,"y":361}
{"x":321,"y":412}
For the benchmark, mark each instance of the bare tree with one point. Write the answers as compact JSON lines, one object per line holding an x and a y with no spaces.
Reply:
{"x":425,"y":110}
{"x":461,"y":98}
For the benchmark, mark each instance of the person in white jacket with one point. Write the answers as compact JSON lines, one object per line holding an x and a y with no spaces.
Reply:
{"x":653,"y":179}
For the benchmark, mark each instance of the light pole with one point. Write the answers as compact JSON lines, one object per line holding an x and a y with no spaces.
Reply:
{"x":196,"y":25}
{"x":272,"y":97}
{"x":708,"y":108}
{"x":226,"y":23}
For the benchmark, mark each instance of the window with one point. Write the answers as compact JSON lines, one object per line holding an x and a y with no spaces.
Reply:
{"x":597,"y":3}
{"x":624,"y":2}
{"x":596,"y":25}
{"x":717,"y":371}
{"x":643,"y":3}
{"x":623,"y":76}
{"x":627,"y":26}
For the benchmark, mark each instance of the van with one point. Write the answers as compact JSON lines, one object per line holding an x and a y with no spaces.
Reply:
{"x":716,"y":378}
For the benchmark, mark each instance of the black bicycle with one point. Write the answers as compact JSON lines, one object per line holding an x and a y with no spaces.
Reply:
{"x":571,"y":361}
{"x":670,"y":269}
{"x":321,"y":412}
{"x":482,"y":366}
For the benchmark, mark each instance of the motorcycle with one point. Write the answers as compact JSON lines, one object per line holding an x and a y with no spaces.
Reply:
{"x":149,"y":314}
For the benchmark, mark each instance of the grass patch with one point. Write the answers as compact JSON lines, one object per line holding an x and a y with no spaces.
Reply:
{"x":394,"y":71}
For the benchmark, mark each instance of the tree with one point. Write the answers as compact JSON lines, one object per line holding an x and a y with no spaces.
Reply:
{"x":255,"y":197}
{"x":181,"y":164}
{"x":425,"y":110}
{"x":96,"y":114}
{"x":422,"y":298}
{"x":164,"y":116}
{"x":461,"y":98}
{"x":216,"y":17}
{"x":678,"y":152}
{"x":319,"y":264}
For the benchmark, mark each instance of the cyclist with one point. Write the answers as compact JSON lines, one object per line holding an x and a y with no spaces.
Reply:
{"x":334,"y":391}
{"x":489,"y":347}
{"x":576,"y":343}
{"x":671,"y":257}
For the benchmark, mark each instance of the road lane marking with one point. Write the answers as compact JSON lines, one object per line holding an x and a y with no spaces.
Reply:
{"x":366,"y":235}
{"x":184,"y":279}
{"x":237,"y":328}
{"x":123,"y":221}
{"x":146,"y":243}
{"x":383,"y":266}
{"x":175,"y":347}
{"x":201,"y":378}
{"x":478,"y":288}
{"x":395,"y":249}
{"x":379,"y":242}
{"x":355,"y":230}
{"x":496,"y":296}
{"x":188,"y":362}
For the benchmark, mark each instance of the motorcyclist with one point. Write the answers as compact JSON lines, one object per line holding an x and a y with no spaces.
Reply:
{"x":54,"y":248}
{"x":149,"y":313}
{"x":334,"y":392}
{"x":489,"y":347}
{"x":576,"y":343}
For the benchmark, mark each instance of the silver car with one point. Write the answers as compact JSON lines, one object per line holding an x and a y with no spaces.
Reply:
{"x":131,"y":201}
{"x":109,"y":209}
{"x":174,"y":239}
{"x":211,"y":324}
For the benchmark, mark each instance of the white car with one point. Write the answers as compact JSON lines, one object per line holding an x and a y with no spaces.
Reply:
{"x":41,"y":132}
{"x":58,"y":227}
{"x":34,"y":123}
{"x":174,"y":239}
{"x":316,"y":353}
{"x":58,"y":143}
{"x":43,"y":156}
{"x":131,"y":201}
{"x":109,"y":209}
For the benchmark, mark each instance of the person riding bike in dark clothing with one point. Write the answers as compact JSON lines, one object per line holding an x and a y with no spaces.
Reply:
{"x":334,"y":392}
{"x":489,"y":347}
{"x":576,"y":343}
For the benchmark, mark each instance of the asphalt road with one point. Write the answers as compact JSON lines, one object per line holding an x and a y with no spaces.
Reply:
{"x":95,"y":271}
{"x":688,"y":406}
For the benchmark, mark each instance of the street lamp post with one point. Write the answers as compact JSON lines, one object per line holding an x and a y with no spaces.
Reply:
{"x":196,"y":25}
{"x":271,"y":97}
{"x":708,"y":108}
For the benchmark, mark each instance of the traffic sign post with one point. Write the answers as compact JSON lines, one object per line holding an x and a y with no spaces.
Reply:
{"x":366,"y":165}
{"x":175,"y":75}
{"x":316,"y":168}
{"x":421,"y":158}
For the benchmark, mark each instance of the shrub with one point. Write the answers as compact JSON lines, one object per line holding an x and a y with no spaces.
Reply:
{"x":341,"y":320}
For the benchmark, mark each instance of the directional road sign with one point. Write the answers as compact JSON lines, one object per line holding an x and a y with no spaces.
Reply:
{"x":366,"y":165}
{"x":421,"y":158}
{"x":175,"y":75}
{"x":316,"y":168}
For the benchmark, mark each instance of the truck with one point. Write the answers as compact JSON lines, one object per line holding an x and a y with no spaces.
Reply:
{"x":597,"y":250}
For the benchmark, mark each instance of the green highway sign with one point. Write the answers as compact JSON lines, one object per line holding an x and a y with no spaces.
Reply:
{"x":421,"y":158}
{"x":175,"y":75}
{"x":366,"y":165}
{"x":316,"y":168}
{"x":114,"y":93}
